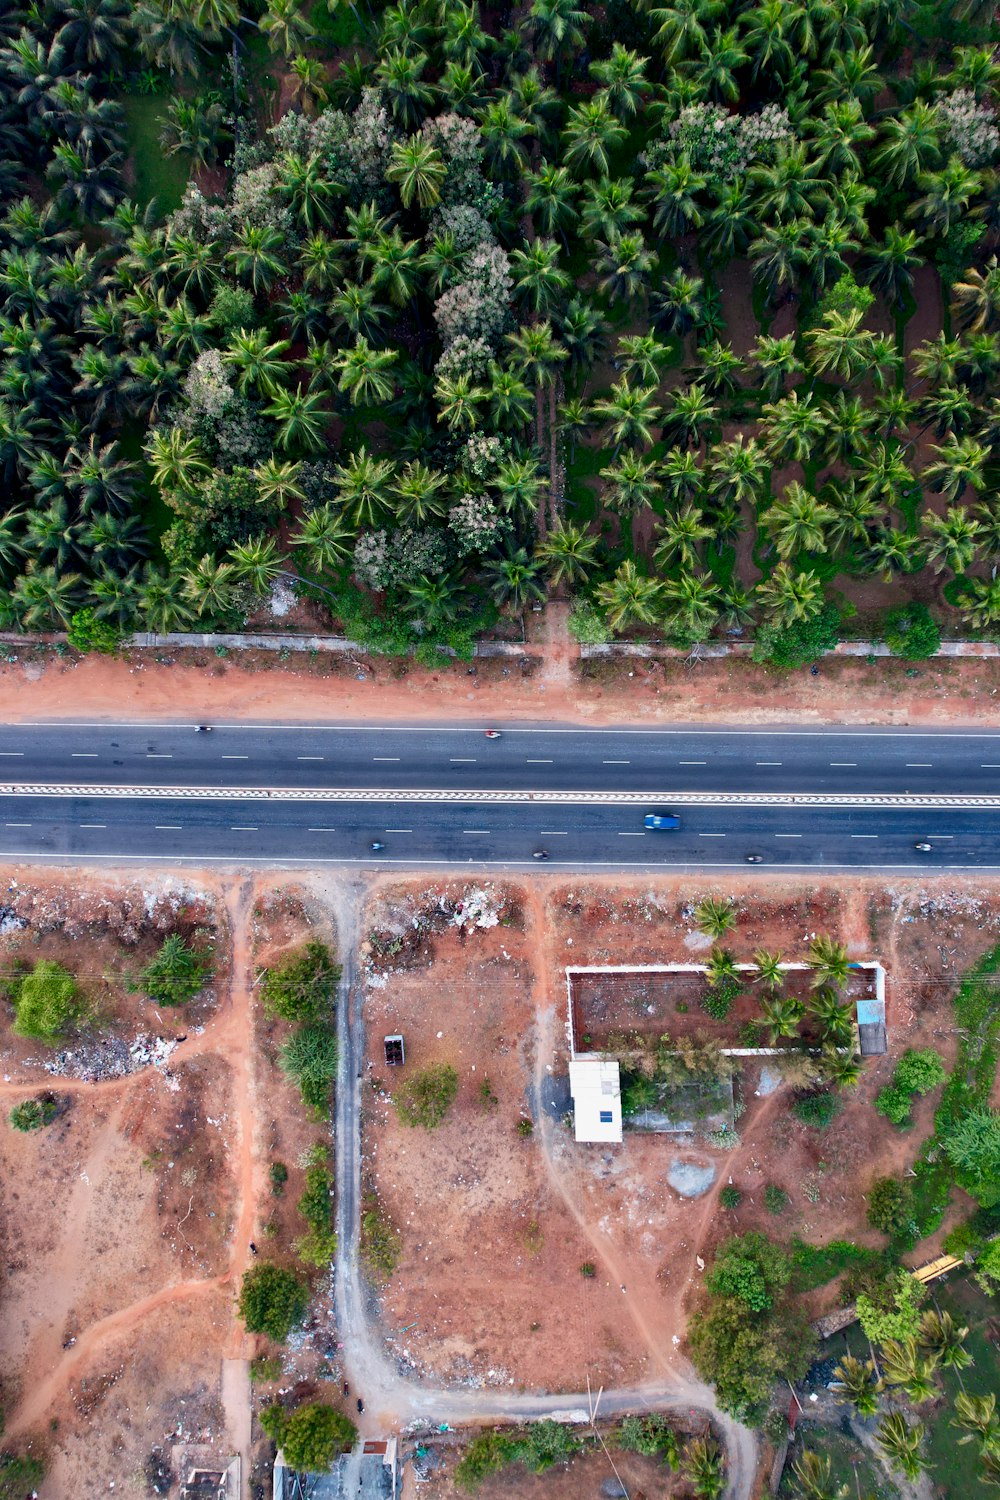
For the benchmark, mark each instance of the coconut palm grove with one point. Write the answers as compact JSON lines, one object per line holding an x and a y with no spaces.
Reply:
{"x":689,"y":312}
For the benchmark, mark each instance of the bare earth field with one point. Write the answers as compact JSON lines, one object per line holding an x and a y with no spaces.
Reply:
{"x":551,"y":684}
{"x":495,"y":1227}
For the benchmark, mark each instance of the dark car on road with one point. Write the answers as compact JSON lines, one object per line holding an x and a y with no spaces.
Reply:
{"x":661,"y":820}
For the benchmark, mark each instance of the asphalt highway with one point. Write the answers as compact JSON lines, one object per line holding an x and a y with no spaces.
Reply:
{"x":525,"y":757}
{"x":168,"y":794}
{"x":173,"y":830}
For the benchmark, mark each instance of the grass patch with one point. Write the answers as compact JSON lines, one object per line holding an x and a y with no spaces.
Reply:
{"x":381,"y":1245}
{"x":851,"y":1466}
{"x":955,"y":1465}
{"x":815,"y":1265}
{"x":157,"y":175}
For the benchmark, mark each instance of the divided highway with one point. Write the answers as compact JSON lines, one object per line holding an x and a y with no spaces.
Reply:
{"x":164,"y":792}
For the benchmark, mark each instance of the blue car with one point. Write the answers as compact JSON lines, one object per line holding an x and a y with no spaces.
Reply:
{"x":661,"y":820}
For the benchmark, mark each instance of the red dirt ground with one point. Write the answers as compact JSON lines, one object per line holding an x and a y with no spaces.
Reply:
{"x":494,"y":1228}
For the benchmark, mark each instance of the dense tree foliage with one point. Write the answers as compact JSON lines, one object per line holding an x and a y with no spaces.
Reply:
{"x":458,"y":323}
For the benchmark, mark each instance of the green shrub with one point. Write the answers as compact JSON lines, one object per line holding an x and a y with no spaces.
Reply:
{"x":586,"y":625}
{"x":651,"y":1435}
{"x":719,"y":999}
{"x":588,"y":1270}
{"x":272,"y":1300}
{"x":730,"y":1197}
{"x":545,"y":1443}
{"x":815,"y":1265}
{"x":46,"y":1002}
{"x":818,"y":1110}
{"x":381,"y":1245}
{"x":309,"y":1057}
{"x":894,"y":1103}
{"x":317,"y":1248}
{"x":316,"y":1203}
{"x":890,"y":1205}
{"x":891,"y":1308}
{"x":775,"y":1199}
{"x":972,"y":1145}
{"x":278,"y":1173}
{"x":265,"y":1368}
{"x":19,"y":1474}
{"x":311,"y":1436}
{"x":794,"y":645}
{"x":919,"y":1072}
{"x":426,"y":1097}
{"x":525,"y":1128}
{"x":488,"y":1453}
{"x":750,"y":1267}
{"x":33,"y":1114}
{"x":302,"y":988}
{"x":87,"y":633}
{"x":176,"y":974}
{"x":912,"y":632}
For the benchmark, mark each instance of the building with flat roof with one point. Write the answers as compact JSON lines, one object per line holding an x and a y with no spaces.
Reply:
{"x":596,"y":1090}
{"x":367,"y":1472}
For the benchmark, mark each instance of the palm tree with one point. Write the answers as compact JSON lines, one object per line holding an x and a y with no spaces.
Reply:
{"x":769,"y":970}
{"x":947,"y":195}
{"x":703,"y":1468}
{"x":539,"y":281}
{"x":418,"y":168}
{"x":791,"y":597}
{"x":836,"y":1019}
{"x":308,"y":82}
{"x":177,"y":461}
{"x":256,"y":256}
{"x":631,"y":481}
{"x":257,"y":562}
{"x":258,"y":361}
{"x":568,"y":553}
{"x":858,"y":1384}
{"x":902,"y":1365}
{"x":953,"y":538}
{"x":625,"y":263}
{"x":830,"y":963}
{"x":738,"y":469}
{"x":581,"y":333}
{"x":691,"y":416}
{"x":538,"y":355}
{"x":642,"y":356}
{"x":630,"y":412}
{"x":944,"y":1339}
{"x":419,"y":494}
{"x":778,"y":254}
{"x":504,"y":133}
{"x":840,"y":346}
{"x":193,"y":126}
{"x":364,"y":373}
{"x":210,"y":586}
{"x":279,"y":482}
{"x":981,"y":602}
{"x":792,"y":428}
{"x":715,"y":915}
{"x":623,"y":75}
{"x":551,"y":199}
{"x":978,"y":1417}
{"x":776,"y":358}
{"x":910,"y":143}
{"x":681,"y":534}
{"x":815,"y":1477}
{"x":629,"y":597}
{"x":364,"y":486}
{"x":721,"y":966}
{"x":781,"y":1015}
{"x":325,"y":537}
{"x":459,"y":401}
{"x":679,"y":305}
{"x":557,"y":27}
{"x":692,"y":601}
{"x":93,"y":32}
{"x":513,"y":580}
{"x":591,"y":131}
{"x":890,"y":265}
{"x":301,"y":419}
{"x":435,"y":602}
{"x":977,"y":298}
{"x":287,"y":30}
{"x":683,"y":475}
{"x":891,"y":550}
{"x":400,"y":74}
{"x":162,"y":600}
{"x":960,"y":462}
{"x":854,"y":511}
{"x":796,"y":523}
{"x":901,"y":1444}
{"x":718,"y":367}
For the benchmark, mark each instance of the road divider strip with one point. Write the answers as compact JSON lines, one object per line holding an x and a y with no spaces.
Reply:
{"x":566,"y":799}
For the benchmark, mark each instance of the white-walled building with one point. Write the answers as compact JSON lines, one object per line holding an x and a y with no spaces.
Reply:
{"x":595,"y":1087}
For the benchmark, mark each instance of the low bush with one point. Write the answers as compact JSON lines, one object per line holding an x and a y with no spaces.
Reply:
{"x":775,"y":1199}
{"x":894,"y":1103}
{"x":815,"y":1265}
{"x":890,"y":1206}
{"x":265,"y":1368}
{"x":912,"y":632}
{"x":818,"y":1110}
{"x":176,"y":974}
{"x":33,"y":1114}
{"x":719,"y":999}
{"x":917,"y":1072}
{"x":426,"y":1097}
{"x":272,"y":1300}
{"x":302,"y":988}
{"x":652,"y":1436}
{"x":381,"y":1245}
{"x":19,"y":1474}
{"x":310,"y":1058}
{"x":278,"y":1174}
{"x":46,"y":1002}
{"x":730,"y":1197}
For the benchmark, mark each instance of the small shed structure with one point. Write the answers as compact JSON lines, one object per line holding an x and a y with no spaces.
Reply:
{"x":395,"y":1052}
{"x":595,"y":1087}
